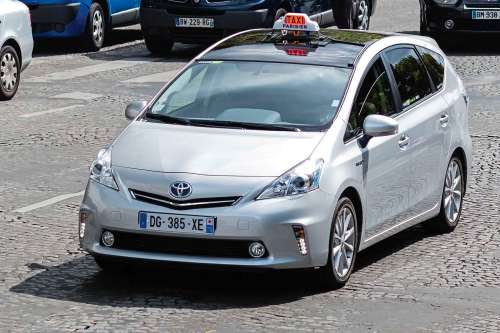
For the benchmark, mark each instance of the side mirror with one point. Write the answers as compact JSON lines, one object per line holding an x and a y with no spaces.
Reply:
{"x":378,"y":125}
{"x":134,"y":108}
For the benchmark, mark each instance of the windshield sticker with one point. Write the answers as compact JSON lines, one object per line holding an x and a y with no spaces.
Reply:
{"x":335,"y":103}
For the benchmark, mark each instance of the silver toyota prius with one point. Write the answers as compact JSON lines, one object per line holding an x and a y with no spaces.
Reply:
{"x":291,"y":147}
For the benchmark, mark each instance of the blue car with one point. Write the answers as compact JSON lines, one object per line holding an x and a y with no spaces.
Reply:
{"x":89,"y":19}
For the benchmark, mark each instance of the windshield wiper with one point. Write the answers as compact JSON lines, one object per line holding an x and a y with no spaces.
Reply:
{"x":168,"y":119}
{"x":220,"y":123}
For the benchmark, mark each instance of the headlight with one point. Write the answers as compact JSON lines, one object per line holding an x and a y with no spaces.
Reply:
{"x":101,"y":171}
{"x":301,"y":179}
{"x":446,"y":2}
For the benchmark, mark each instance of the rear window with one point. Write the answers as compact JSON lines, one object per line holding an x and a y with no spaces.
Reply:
{"x":434,"y":63}
{"x":304,"y":97}
{"x":410,"y":74}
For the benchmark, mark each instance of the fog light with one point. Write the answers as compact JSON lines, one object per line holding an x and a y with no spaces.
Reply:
{"x":108,"y":239}
{"x":449,"y":24}
{"x":83,"y":219}
{"x":256,"y":250}
{"x":300,"y":235}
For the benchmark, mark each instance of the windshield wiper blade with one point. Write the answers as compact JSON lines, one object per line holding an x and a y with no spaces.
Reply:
{"x":168,"y":119}
{"x":245,"y":125}
{"x":220,"y":123}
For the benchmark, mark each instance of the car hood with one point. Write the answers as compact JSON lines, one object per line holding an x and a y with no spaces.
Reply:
{"x":211,"y":151}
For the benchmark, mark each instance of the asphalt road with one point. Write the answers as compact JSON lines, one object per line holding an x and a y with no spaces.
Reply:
{"x":71,"y":104}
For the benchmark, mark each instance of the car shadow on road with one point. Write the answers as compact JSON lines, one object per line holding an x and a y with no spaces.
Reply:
{"x":80,"y":280}
{"x":121,"y":44}
{"x":59,"y":46}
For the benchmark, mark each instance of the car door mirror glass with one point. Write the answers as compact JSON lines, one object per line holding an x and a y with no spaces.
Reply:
{"x":134,"y":108}
{"x":378,"y":125}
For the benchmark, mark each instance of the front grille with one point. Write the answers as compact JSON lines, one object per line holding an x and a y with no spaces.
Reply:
{"x":167,"y":202}
{"x":182,"y":246}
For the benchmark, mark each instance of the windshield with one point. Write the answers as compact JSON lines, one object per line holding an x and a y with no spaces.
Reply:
{"x":257,"y":95}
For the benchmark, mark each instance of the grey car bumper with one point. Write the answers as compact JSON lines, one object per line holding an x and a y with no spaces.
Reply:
{"x":266,"y":221}
{"x":162,"y":22}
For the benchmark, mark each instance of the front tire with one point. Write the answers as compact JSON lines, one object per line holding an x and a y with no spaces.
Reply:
{"x":452,"y":200}
{"x":344,"y":244}
{"x":95,"y":33}
{"x":157,"y":45}
{"x":352,"y":14}
{"x":10,"y":72}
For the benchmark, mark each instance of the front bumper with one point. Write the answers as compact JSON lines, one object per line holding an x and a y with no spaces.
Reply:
{"x":267,"y":221}
{"x":161,"y":22}
{"x":461,"y":14}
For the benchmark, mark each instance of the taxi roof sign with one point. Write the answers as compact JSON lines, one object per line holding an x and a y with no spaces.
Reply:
{"x":296,"y":22}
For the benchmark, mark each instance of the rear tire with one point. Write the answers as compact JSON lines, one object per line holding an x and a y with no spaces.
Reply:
{"x":95,"y":32}
{"x":10,"y":72}
{"x":452,"y":199}
{"x":344,"y":244}
{"x":157,"y":45}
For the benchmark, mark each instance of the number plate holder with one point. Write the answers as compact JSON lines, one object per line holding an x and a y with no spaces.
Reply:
{"x":177,"y":223}
{"x":195,"y":22}
{"x":486,"y":14}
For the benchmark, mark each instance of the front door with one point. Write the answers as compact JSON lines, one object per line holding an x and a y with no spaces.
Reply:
{"x":386,"y":161}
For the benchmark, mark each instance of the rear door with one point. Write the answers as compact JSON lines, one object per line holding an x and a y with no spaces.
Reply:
{"x":423,"y":110}
{"x":385,"y":161}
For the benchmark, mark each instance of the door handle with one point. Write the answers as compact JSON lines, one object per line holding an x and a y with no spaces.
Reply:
{"x":444,"y":120}
{"x":404,"y":141}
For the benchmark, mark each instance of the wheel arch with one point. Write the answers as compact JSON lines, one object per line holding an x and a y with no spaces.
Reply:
{"x":13,"y":43}
{"x":353,"y":194}
{"x":459,"y":153}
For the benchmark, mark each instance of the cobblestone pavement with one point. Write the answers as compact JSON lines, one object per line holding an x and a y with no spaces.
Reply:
{"x":71,"y":104}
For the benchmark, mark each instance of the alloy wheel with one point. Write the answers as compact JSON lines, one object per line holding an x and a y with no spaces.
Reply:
{"x":453,"y":192}
{"x":363,"y":15}
{"x":98,"y":27}
{"x":343,"y":242}
{"x":9,"y":72}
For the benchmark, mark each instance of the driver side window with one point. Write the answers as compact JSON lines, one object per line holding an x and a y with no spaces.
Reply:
{"x":374,"y":97}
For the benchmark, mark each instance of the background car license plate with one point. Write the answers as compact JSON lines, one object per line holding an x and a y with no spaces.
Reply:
{"x":486,"y":14}
{"x":194,"y":22}
{"x":177,"y":223}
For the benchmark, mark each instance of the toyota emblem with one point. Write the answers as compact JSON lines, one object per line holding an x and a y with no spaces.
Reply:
{"x":180,"y":189}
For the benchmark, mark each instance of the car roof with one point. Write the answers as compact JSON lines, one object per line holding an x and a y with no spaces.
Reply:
{"x":333,"y":47}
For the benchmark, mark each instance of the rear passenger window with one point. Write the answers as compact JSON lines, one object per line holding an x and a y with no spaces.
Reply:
{"x":410,"y":74}
{"x":434,"y":63}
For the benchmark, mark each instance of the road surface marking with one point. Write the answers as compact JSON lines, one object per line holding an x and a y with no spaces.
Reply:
{"x":42,"y":113}
{"x":163,"y":77}
{"x":78,"y":95}
{"x":90,"y":70}
{"x":48,"y":202}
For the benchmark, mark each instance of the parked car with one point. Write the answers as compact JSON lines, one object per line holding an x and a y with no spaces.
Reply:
{"x":16,"y":45}
{"x":165,"y":22}
{"x":89,"y":19}
{"x":287,"y":148}
{"x":438,"y":17}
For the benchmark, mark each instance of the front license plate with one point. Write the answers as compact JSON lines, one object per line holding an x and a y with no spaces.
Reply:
{"x":177,"y":223}
{"x":194,"y":22}
{"x":486,"y":14}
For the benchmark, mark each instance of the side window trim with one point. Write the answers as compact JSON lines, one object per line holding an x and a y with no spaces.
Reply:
{"x":417,"y":47}
{"x":431,"y":81}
